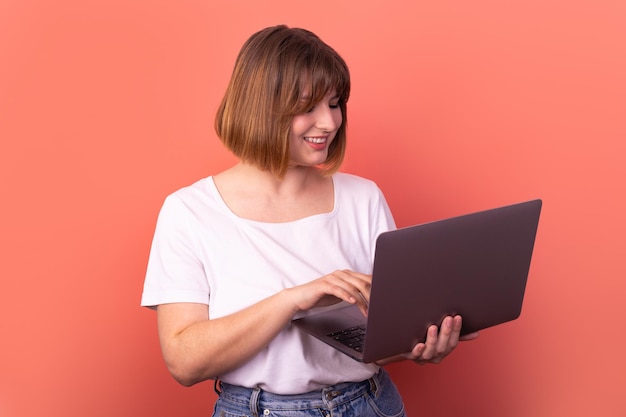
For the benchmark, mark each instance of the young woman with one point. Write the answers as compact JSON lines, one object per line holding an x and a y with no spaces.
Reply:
{"x":236,"y":256}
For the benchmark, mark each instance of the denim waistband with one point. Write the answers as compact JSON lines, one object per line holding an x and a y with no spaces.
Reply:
{"x":329,"y":397}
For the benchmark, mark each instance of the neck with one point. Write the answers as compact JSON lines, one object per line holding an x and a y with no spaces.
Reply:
{"x":295,"y":180}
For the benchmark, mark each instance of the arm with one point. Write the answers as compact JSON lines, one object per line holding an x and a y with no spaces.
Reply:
{"x":196,"y":348}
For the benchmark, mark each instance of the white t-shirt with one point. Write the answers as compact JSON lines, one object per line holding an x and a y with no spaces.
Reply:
{"x":203,"y":253}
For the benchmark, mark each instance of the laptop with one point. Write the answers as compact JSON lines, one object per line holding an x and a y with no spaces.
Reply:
{"x":475,"y":265}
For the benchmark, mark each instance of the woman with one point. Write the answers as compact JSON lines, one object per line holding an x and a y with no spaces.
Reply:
{"x":236,"y":256}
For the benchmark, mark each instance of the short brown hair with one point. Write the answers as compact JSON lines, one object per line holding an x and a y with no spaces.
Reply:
{"x":274,"y":68}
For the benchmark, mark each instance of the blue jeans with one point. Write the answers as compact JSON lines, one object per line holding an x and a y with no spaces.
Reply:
{"x":376,"y":397}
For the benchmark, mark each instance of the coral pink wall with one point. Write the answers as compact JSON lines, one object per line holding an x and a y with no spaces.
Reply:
{"x":107,"y":106}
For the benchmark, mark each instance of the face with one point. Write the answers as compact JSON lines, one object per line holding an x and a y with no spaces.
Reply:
{"x":312,"y":132}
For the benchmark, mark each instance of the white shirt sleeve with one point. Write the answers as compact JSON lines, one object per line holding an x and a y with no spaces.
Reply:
{"x":173,"y":256}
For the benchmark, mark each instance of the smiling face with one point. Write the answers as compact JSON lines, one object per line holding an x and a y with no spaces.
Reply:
{"x":312,"y":132}
{"x":276,"y":112}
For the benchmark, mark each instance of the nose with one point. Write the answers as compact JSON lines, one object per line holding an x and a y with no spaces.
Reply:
{"x":328,"y":119}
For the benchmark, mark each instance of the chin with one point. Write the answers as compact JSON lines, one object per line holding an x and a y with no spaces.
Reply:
{"x":309,"y":163}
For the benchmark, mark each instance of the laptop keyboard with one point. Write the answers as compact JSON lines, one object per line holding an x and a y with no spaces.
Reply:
{"x":352,"y":337}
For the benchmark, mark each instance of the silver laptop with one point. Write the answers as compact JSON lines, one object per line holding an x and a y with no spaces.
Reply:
{"x":474,"y":265}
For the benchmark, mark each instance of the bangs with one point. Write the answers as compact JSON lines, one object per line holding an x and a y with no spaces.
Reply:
{"x":323,"y":80}
{"x":320,"y":73}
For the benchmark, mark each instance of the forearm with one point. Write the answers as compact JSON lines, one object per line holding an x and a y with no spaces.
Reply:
{"x":206,"y":349}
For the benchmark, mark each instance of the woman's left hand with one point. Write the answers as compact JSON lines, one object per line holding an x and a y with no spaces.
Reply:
{"x":439,"y":343}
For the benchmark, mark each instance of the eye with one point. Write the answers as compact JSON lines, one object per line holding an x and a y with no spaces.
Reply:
{"x":332,"y":105}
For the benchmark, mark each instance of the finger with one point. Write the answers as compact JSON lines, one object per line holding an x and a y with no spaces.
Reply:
{"x":457,"y":324}
{"x":439,"y":343}
{"x":449,"y":335}
{"x":357,"y":284}
{"x":344,"y":288}
{"x":416,"y":353}
{"x":362,"y":282}
{"x":443,"y":336}
{"x":430,"y":345}
{"x":366,"y":304}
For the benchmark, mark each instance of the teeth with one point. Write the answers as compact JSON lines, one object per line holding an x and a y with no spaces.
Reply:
{"x":315,"y":140}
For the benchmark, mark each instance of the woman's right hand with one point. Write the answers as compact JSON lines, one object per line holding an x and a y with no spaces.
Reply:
{"x":345,"y":285}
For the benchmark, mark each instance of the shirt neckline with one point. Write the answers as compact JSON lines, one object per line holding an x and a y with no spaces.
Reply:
{"x":232,"y":214}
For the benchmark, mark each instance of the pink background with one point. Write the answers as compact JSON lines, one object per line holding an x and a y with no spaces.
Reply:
{"x":457,"y":106}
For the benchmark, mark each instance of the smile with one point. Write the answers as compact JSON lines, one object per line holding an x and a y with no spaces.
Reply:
{"x":315,"y":140}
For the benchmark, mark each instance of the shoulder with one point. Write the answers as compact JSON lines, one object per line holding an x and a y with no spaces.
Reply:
{"x":195,"y":193}
{"x":354,"y":185}
{"x":351,"y":180}
{"x":197,"y":188}
{"x":192,"y":200}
